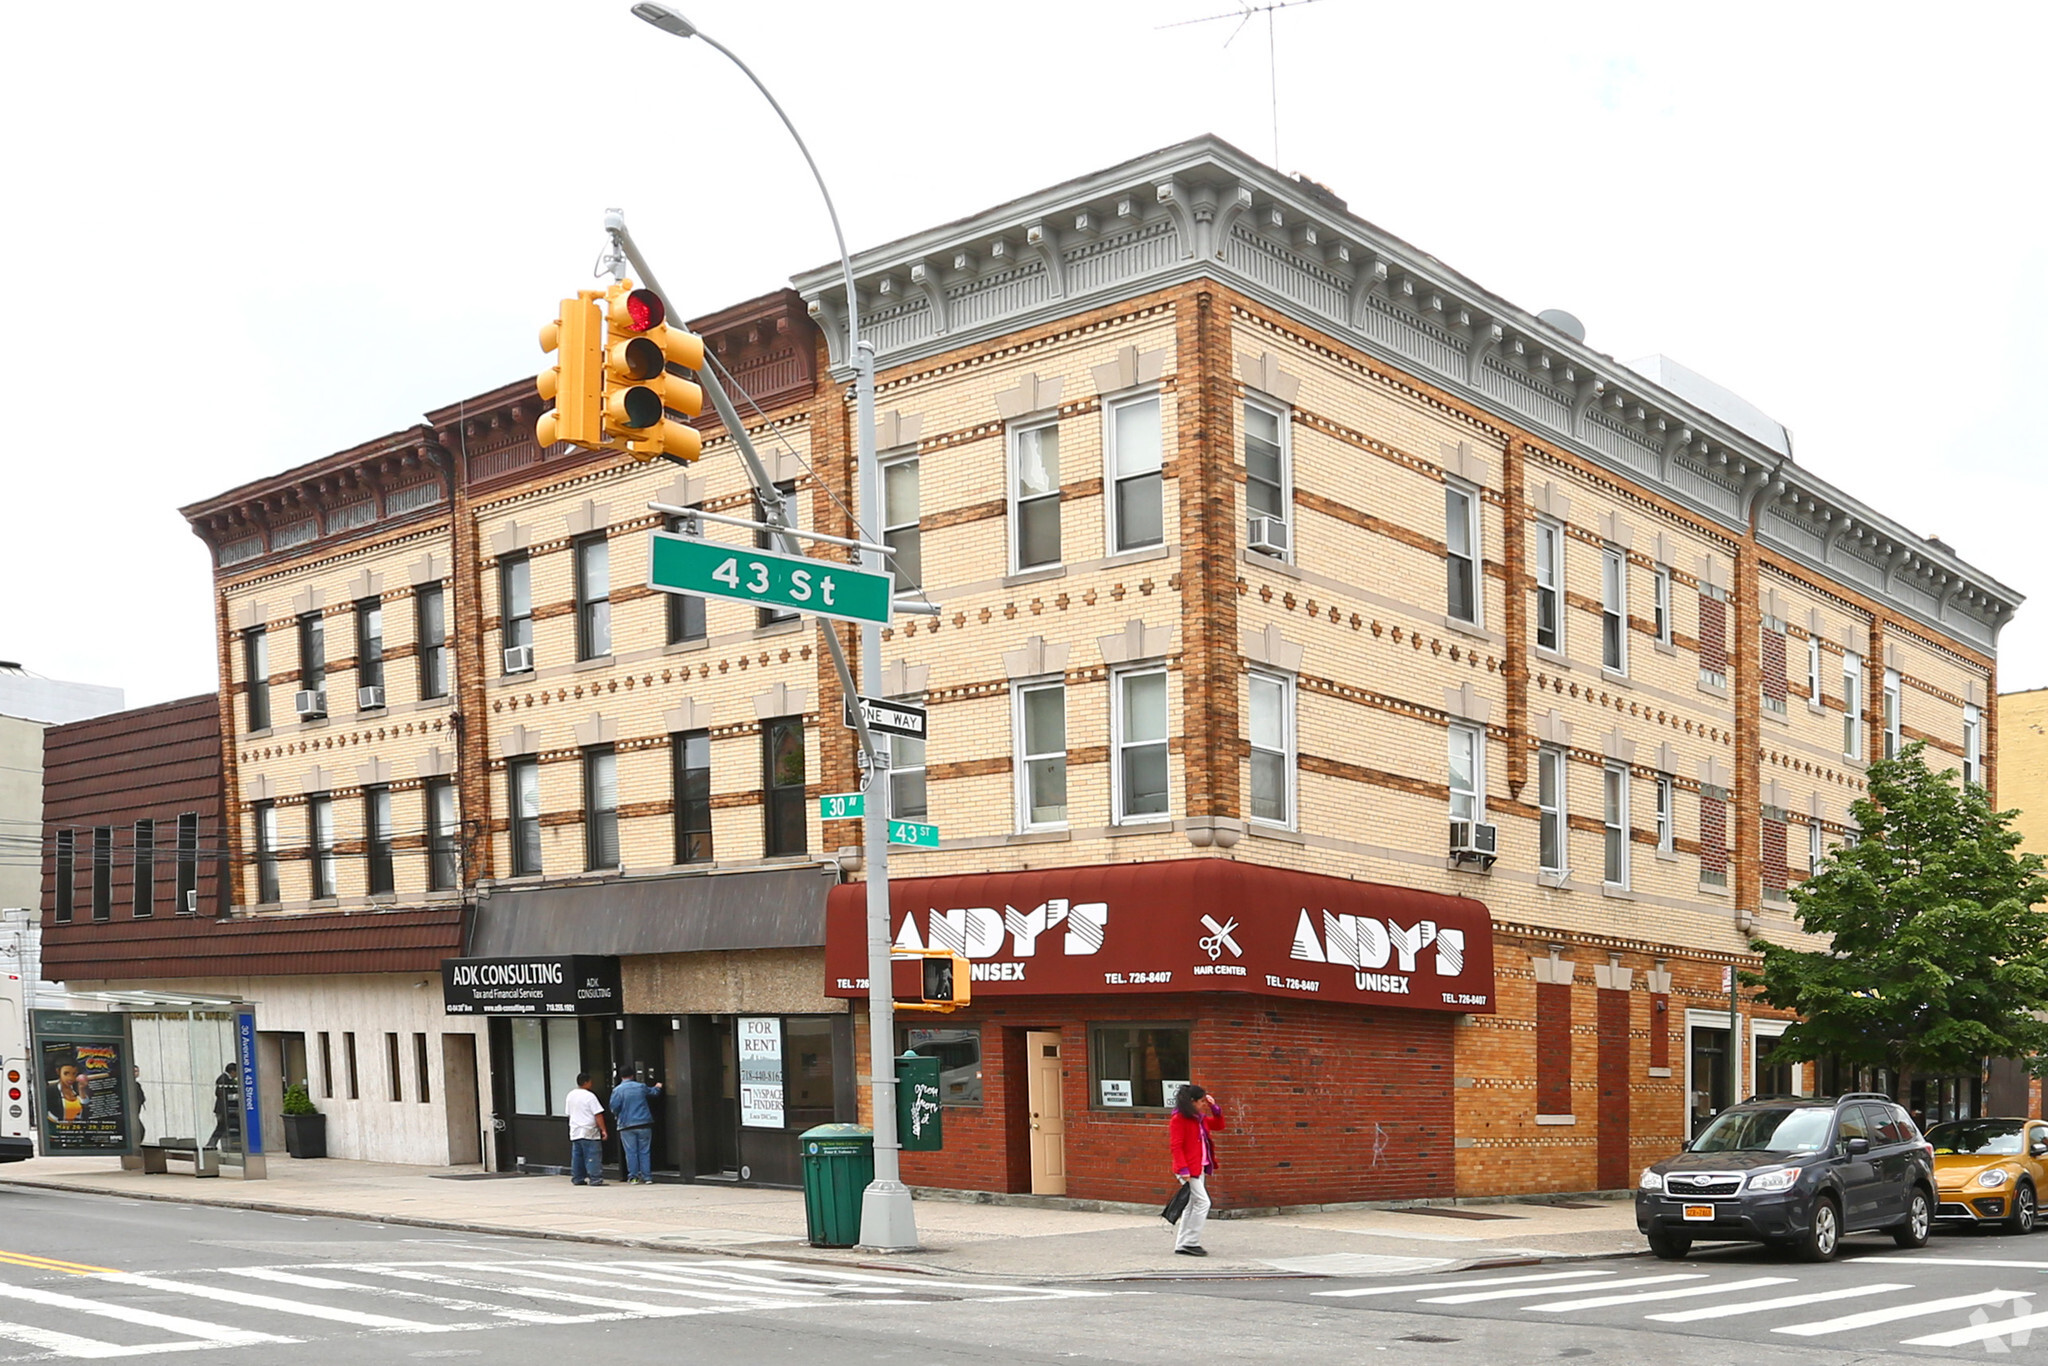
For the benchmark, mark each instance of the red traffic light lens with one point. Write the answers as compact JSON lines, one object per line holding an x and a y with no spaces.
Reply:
{"x":645,"y":310}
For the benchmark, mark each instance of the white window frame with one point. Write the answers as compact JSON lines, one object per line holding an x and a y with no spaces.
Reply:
{"x":1549,"y":756}
{"x":1473,"y":736}
{"x":1852,"y":705}
{"x":1026,"y":757}
{"x":1016,"y":502}
{"x":1660,"y":580}
{"x":1816,"y":846}
{"x":901,"y":749}
{"x":1814,"y":692}
{"x":1111,"y":479}
{"x":1287,"y":751}
{"x":1614,"y":815}
{"x":1894,"y":714}
{"x":1973,"y":743}
{"x":326,"y":878}
{"x":1118,"y":744}
{"x":1280,"y":415}
{"x":1475,"y":527}
{"x":1550,"y":581}
{"x":1614,"y":608}
{"x":1760,"y":1030}
{"x":1667,"y":814}
{"x":915,"y":525}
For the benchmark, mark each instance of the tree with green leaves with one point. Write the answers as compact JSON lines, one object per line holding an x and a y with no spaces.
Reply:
{"x":1936,"y":956}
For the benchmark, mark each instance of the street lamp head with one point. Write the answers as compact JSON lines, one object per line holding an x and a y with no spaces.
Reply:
{"x":665,"y":19}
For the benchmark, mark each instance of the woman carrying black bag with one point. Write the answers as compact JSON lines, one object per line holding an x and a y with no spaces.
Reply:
{"x":1196,"y":1114}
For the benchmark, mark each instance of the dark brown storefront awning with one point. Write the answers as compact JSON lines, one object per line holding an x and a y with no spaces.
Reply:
{"x":774,"y":908}
{"x":1185,"y":925}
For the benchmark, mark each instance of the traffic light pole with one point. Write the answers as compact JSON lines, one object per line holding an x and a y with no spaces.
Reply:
{"x":888,"y":1220}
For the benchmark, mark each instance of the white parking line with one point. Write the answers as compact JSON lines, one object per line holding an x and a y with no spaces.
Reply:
{"x":1457,"y":1285}
{"x":1690,"y":1292}
{"x":1725,"y":1311}
{"x":1561,"y":1289}
{"x":1903,"y":1311}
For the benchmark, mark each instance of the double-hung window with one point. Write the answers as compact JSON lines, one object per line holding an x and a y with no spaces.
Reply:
{"x":1468,"y":774}
{"x":1042,"y":755}
{"x":312,"y":652}
{"x":1816,"y":847}
{"x":593,"y":597}
{"x":266,"y":856}
{"x":444,"y":837}
{"x":685,"y":610}
{"x":522,"y":782}
{"x":691,"y":754}
{"x":377,"y":840}
{"x":1035,"y":496}
{"x":1894,"y":706}
{"x":256,"y":676}
{"x":1137,"y":514}
{"x":144,"y":887}
{"x":66,"y":874}
{"x":600,"y":809}
{"x":1852,"y":705}
{"x":1272,"y":745}
{"x":1614,"y":819}
{"x":1267,"y":495}
{"x":188,"y":865}
{"x":1550,"y":794}
{"x":1666,"y":834}
{"x":899,"y":522}
{"x":431,"y":602}
{"x":907,"y":799}
{"x":768,"y":540}
{"x":1461,"y":542}
{"x":1550,"y":586}
{"x":1973,"y":743}
{"x":1614,"y":610}
{"x":787,"y":829}
{"x":369,"y":652}
{"x":1141,"y":744}
{"x":1660,"y":581}
{"x":515,"y":605}
{"x":1813,"y":686}
{"x":320,"y":826}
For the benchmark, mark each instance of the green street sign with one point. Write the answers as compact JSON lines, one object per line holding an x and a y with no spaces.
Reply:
{"x":914,"y":832}
{"x":685,"y":564}
{"x":842,"y":806}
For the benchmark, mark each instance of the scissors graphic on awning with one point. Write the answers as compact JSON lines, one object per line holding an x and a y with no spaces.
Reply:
{"x":1219,"y":936}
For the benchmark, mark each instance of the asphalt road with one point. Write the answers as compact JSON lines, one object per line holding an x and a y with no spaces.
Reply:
{"x":87,"y":1277}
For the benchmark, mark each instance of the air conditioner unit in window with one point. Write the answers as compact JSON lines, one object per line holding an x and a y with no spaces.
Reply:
{"x":518,"y":659}
{"x":311,"y":703}
{"x":1475,"y":840}
{"x":192,"y":903}
{"x":1268,"y":534}
{"x":369,"y":699}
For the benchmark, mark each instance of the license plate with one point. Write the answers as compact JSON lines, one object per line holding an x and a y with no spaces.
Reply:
{"x":1700,"y":1212}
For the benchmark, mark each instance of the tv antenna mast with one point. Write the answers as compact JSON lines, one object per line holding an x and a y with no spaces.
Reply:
{"x":1244,"y":14}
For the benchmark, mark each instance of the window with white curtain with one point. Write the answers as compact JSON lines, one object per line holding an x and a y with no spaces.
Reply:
{"x":1468,"y":774}
{"x":1614,"y":610}
{"x":1141,"y":745}
{"x":1034,"y":496}
{"x":1550,"y":586}
{"x":1614,"y":817}
{"x":1461,"y":541}
{"x":1550,"y":794}
{"x":1272,"y":745}
{"x":1137,"y":513}
{"x":1973,"y":743}
{"x":1041,"y":755}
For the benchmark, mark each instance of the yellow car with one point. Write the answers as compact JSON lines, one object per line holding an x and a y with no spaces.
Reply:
{"x":1990,"y":1171}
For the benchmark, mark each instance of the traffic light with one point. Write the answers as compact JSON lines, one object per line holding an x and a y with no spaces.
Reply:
{"x":933,"y":980}
{"x":575,"y":382}
{"x":947,"y":980}
{"x":639,"y":392}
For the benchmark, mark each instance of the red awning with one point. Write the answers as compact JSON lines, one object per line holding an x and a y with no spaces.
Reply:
{"x":1186,"y":925}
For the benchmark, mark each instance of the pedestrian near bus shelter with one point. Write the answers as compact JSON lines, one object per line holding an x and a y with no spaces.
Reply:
{"x":633,"y":1109}
{"x":586,"y":1134}
{"x":1196,"y":1114}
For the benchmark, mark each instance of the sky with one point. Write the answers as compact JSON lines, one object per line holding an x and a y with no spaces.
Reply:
{"x":236,"y":237}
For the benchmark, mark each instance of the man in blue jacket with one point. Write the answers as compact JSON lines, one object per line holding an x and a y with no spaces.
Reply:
{"x":632,"y":1104}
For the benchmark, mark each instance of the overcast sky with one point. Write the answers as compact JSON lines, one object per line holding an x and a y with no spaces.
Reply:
{"x":242,"y":236}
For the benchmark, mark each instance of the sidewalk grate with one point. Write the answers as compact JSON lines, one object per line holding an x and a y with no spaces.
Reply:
{"x":1443,"y":1212}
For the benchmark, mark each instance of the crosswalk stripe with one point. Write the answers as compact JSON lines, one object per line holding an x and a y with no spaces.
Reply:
{"x":853,"y":1280}
{"x":1960,"y":1261}
{"x":1456,"y":1285}
{"x":354,"y":1317}
{"x":1997,"y":1328}
{"x":264,"y":1273}
{"x":90,"y":1349}
{"x":1903,"y":1311}
{"x":217,"y":1334}
{"x":609,"y":1308}
{"x":1560,"y":1289}
{"x":1688,"y":1293}
{"x":1726,"y":1311}
{"x":709,"y":1281}
{"x":726,"y":1296}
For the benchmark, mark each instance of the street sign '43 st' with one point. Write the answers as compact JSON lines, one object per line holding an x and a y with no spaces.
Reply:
{"x":767,"y":578}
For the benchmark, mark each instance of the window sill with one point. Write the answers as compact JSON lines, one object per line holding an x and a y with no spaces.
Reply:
{"x":683,"y":647}
{"x":1714,"y":889}
{"x":318,"y":903}
{"x":1472,"y":629}
{"x":312,"y":722}
{"x":1660,"y":1071}
{"x":1614,"y":893}
{"x":264,"y":734}
{"x":1156,"y":825}
{"x":1267,"y":830}
{"x":508,"y":680}
{"x":1261,"y":560}
{"x":1664,"y":647}
{"x":1667,"y":855}
{"x":384,"y":898}
{"x":1053,"y":836}
{"x":1557,"y":882}
{"x":1474,"y":866}
{"x":779,"y":628}
{"x":1550,"y":656}
{"x":1558,"y":1120}
{"x":1616,"y":676}
{"x":594,"y":662}
{"x":1713,"y":690}
{"x":1118,"y":559}
{"x":1036,"y":574}
{"x":1782,"y":718}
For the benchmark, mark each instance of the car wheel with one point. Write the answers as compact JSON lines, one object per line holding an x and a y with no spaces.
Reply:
{"x":1823,"y":1234}
{"x":1919,"y":1221}
{"x":2024,"y":1210}
{"x":1670,"y":1247}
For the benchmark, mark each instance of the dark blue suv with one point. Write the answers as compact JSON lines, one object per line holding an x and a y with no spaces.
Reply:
{"x":1793,"y":1171}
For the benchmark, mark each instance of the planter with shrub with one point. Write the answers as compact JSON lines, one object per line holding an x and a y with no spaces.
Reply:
{"x":305,"y":1128}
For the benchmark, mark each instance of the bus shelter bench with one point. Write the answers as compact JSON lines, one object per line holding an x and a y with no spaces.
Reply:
{"x":158,"y":1156}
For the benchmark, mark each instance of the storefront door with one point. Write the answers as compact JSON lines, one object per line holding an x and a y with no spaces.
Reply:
{"x":1048,"y":1113}
{"x":1710,"y":1084}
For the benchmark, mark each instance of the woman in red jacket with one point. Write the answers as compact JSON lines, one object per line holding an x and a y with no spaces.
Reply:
{"x":1196,"y":1114}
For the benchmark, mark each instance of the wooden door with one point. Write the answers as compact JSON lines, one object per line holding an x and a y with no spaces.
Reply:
{"x":1048,"y":1113}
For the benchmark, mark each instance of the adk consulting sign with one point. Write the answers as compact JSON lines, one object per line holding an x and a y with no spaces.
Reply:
{"x":581,"y":984}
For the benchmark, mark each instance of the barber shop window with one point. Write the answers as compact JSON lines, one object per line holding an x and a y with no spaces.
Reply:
{"x":959,"y":1055}
{"x":1136,"y":1067}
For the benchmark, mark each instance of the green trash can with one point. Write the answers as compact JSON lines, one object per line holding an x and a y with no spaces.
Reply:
{"x":839,"y":1166}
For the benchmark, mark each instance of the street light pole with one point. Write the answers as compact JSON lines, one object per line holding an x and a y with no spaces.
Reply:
{"x":888,"y":1221}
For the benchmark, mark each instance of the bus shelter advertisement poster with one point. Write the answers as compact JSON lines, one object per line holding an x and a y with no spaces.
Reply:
{"x":83,"y":1060}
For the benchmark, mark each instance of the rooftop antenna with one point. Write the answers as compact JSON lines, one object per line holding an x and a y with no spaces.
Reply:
{"x":1243,"y":14}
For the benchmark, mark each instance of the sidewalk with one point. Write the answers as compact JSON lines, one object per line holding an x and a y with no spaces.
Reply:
{"x":961,"y":1237}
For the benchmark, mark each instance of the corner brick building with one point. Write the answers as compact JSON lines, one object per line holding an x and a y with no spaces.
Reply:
{"x":1349,"y":691}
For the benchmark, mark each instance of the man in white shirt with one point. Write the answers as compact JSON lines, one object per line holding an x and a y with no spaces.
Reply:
{"x":586,"y":1134}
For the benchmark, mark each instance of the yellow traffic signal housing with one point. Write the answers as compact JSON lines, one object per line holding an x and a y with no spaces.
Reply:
{"x":943,"y":983}
{"x":639,"y":391}
{"x":576,"y":380}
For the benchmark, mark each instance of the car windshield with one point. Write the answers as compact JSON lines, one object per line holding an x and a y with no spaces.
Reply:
{"x":1977,"y":1138}
{"x":1802,"y":1130}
